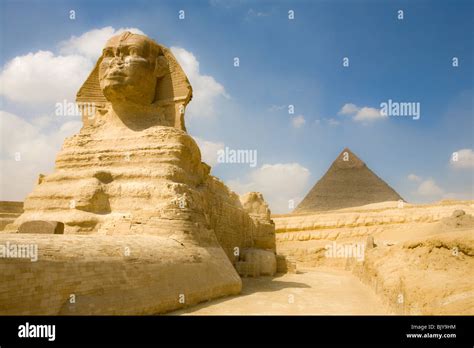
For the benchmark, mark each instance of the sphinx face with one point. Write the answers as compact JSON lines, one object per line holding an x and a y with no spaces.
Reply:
{"x":127,"y":69}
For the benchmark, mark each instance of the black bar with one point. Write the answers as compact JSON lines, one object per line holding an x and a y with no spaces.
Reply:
{"x":289,"y":330}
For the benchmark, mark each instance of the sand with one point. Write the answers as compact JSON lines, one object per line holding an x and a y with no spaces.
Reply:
{"x":311,"y":291}
{"x":422,"y":262}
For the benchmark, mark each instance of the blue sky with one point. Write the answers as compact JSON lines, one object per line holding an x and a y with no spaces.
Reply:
{"x":297,"y":62}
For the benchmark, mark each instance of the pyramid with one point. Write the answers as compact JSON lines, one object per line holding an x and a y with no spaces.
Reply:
{"x":347,"y":183}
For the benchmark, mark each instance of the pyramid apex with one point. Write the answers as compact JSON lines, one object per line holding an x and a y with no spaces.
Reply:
{"x":346,"y":149}
{"x":347,"y":159}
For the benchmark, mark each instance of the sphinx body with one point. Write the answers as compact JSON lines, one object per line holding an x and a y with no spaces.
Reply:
{"x":147,"y":229}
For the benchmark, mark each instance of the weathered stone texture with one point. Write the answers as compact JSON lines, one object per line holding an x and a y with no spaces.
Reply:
{"x":132,"y":177}
{"x":43,"y":227}
{"x":9,"y":211}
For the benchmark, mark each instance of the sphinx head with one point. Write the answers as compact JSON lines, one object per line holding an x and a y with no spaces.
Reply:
{"x":142,"y":82}
{"x":130,"y":67}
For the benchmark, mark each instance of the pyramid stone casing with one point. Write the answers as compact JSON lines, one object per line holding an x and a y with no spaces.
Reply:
{"x":347,"y":183}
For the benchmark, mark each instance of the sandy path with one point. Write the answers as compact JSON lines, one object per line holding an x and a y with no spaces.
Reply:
{"x":311,"y":291}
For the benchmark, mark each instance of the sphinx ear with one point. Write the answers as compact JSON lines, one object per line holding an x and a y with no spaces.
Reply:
{"x":161,"y":66}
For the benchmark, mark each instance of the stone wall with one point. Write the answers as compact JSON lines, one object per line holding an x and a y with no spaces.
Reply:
{"x":88,"y":275}
{"x":303,"y":237}
{"x":9,"y":211}
{"x":183,"y":225}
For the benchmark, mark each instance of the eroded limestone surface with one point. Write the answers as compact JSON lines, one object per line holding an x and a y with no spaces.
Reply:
{"x":147,"y":229}
{"x":418,"y":258}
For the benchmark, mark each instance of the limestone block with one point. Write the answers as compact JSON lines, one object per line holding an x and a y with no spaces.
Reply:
{"x":9,"y":211}
{"x":369,"y":244}
{"x":458,"y":213}
{"x":43,"y":227}
{"x":281,"y":264}
{"x":285,"y":265}
{"x":247,"y":269}
{"x":130,"y":275}
{"x":266,"y":260}
{"x":254,"y":204}
{"x":291,"y":266}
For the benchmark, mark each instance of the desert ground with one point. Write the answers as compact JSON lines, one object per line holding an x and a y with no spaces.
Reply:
{"x":421,"y":262}
{"x":322,"y":291}
{"x":417,"y":259}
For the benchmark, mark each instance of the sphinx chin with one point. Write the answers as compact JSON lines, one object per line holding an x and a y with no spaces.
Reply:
{"x":115,"y":91}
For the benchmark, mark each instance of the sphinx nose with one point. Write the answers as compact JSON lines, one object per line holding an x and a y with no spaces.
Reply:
{"x":118,"y":61}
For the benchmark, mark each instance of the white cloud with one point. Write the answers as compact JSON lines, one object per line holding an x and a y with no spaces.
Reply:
{"x":278,"y":183}
{"x":91,"y":43}
{"x":39,"y":79}
{"x":206,"y":90}
{"x":414,"y":177}
{"x":348,"y":109}
{"x":333,"y":122}
{"x":368,"y":114}
{"x":468,"y":194}
{"x":42,"y":121}
{"x":298,"y":121}
{"x":361,"y":114}
{"x":209,"y":150}
{"x":45,"y":77}
{"x":462,"y":159}
{"x":429,"y":188}
{"x":37,"y":147}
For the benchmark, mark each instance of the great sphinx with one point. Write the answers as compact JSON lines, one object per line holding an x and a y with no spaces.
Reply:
{"x":145,"y":227}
